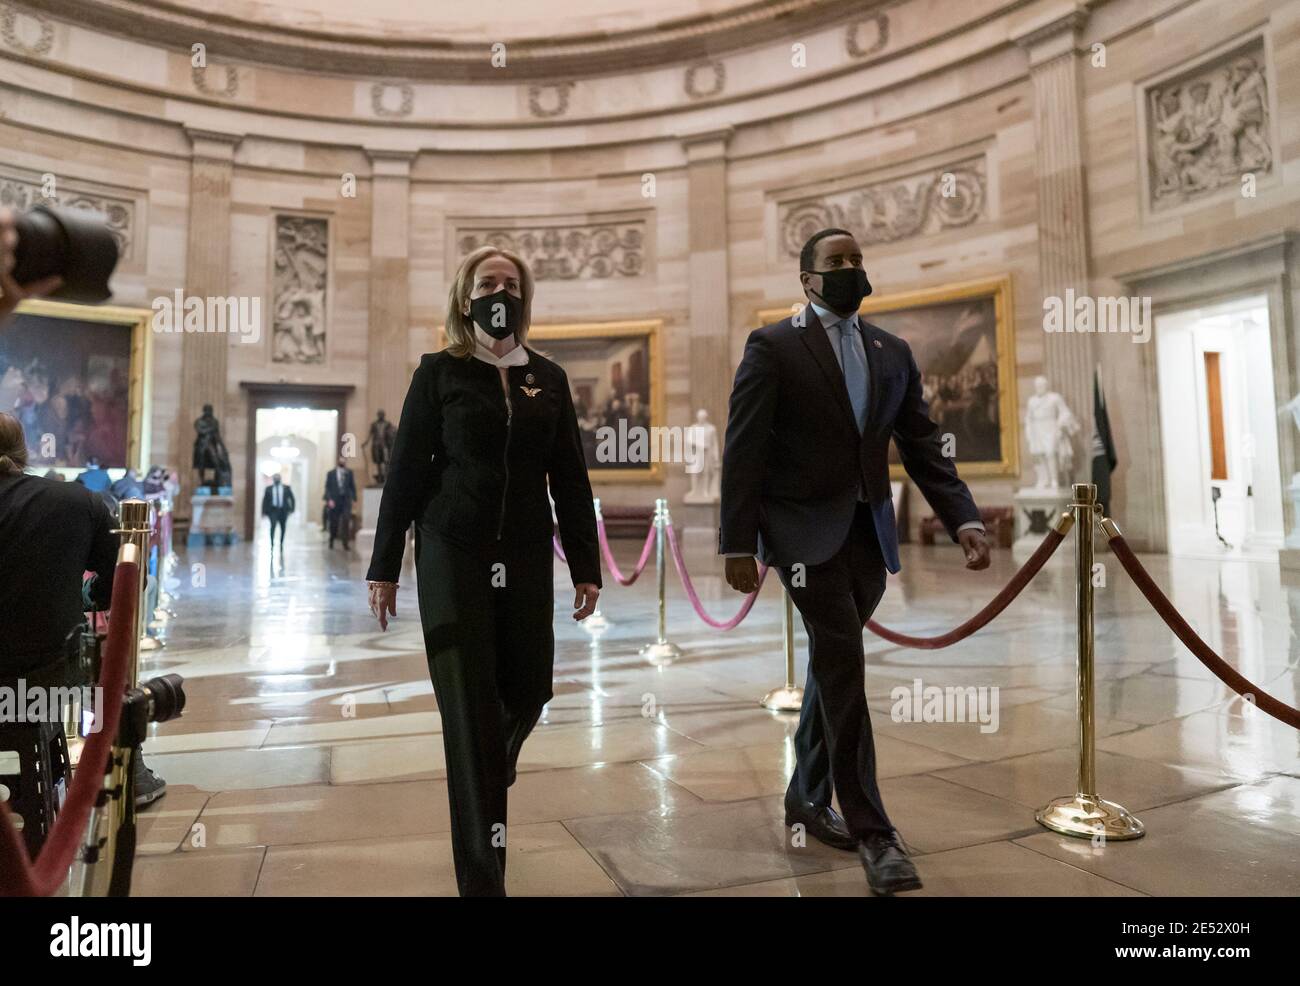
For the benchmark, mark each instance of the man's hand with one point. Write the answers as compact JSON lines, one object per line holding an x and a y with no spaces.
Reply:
{"x":742,"y":574}
{"x":11,"y":292}
{"x":976,"y":546}
{"x":584,"y":602}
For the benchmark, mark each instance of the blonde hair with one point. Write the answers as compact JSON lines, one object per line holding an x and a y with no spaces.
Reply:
{"x":460,"y":327}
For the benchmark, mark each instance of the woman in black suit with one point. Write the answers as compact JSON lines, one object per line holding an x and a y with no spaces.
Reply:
{"x":487,"y":426}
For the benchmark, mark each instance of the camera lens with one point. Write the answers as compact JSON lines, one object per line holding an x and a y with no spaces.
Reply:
{"x":166,"y":696}
{"x":76,"y":244}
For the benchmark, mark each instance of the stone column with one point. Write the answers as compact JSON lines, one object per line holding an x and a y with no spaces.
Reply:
{"x":1062,"y":218}
{"x":207,"y":274}
{"x":388,"y":375}
{"x":709,"y":287}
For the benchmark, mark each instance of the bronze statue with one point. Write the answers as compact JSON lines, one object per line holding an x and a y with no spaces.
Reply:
{"x":382,"y":436}
{"x":210,"y":451}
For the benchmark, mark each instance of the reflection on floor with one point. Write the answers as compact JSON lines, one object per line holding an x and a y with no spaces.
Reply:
{"x":309,"y":759}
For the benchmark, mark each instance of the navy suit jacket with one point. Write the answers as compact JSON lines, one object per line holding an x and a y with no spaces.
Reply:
{"x":345,"y":497}
{"x":794,"y":463}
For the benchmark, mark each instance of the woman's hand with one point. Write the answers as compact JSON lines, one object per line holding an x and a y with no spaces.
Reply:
{"x":383,"y":601}
{"x":584,"y":603}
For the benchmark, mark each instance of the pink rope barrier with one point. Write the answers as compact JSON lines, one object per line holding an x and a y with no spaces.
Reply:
{"x":619,"y":577}
{"x":680,"y":564}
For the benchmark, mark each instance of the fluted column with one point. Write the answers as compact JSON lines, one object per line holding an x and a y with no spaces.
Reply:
{"x":710,"y":314}
{"x":1062,"y":219}
{"x":207,"y":274}
{"x":387,"y":374}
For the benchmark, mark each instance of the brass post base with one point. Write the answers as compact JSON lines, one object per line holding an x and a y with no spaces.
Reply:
{"x":661,"y":653}
{"x":783,"y":699}
{"x":1086,"y":816}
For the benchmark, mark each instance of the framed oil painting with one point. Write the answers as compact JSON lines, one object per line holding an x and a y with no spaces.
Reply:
{"x":77,"y":379}
{"x":964,"y":343}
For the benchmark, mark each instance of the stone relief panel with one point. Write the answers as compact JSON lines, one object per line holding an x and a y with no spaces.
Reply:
{"x":894,"y":209}
{"x":299,"y":284}
{"x":26,"y":31}
{"x":1208,"y":126}
{"x":705,"y":79}
{"x":20,"y":194}
{"x":216,"y":80}
{"x":549,"y":101}
{"x":392,"y":100}
{"x":590,"y":251}
{"x":866,"y":37}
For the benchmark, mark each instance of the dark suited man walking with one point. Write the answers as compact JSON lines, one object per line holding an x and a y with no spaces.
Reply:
{"x":277,"y":505}
{"x":340,"y":494}
{"x":805,"y":487}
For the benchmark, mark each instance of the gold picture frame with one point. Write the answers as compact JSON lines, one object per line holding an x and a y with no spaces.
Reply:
{"x":996,"y":291}
{"x":139,"y":391}
{"x":652,"y":330}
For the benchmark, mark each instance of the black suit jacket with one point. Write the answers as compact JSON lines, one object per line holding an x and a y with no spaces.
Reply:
{"x":471,"y":471}
{"x":50,"y":534}
{"x":343,"y":498}
{"x":793,"y":462}
{"x":286,"y":507}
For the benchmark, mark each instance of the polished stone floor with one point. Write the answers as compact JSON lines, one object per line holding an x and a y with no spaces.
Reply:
{"x":309,"y":759}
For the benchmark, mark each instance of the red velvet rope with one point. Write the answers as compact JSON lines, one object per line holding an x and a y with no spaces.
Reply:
{"x":694,"y":598}
{"x":612,"y":565}
{"x":998,"y":603}
{"x":19,"y":875}
{"x":1200,"y":649}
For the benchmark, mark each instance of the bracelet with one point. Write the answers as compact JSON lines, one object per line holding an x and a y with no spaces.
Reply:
{"x":369,"y":582}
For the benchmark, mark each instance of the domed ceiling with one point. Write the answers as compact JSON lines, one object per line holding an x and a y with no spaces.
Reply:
{"x":443,"y":39}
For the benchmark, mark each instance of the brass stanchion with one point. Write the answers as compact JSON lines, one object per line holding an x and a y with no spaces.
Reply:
{"x":789,"y":697}
{"x":1084,"y":815}
{"x":135,"y":529}
{"x":597,"y":623}
{"x":661,"y":652}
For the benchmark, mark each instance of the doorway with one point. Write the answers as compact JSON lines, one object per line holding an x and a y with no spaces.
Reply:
{"x":1219,"y":430}
{"x":294,"y":430}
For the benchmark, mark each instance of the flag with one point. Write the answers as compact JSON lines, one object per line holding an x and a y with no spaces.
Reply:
{"x":1103,"y":446}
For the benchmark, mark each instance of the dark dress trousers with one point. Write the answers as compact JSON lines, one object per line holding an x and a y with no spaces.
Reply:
{"x":472,"y":470}
{"x":808,"y":494}
{"x":343,"y":495}
{"x":277,"y":515}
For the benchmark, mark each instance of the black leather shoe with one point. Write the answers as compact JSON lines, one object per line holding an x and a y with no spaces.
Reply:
{"x":889,"y":871}
{"x":823,"y":823}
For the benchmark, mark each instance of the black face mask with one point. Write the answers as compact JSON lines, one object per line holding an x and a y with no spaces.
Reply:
{"x":843,"y":289}
{"x":499,"y":315}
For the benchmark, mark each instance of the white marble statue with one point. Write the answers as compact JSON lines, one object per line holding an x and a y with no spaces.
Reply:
{"x":703,"y":464}
{"x":1049,"y":428}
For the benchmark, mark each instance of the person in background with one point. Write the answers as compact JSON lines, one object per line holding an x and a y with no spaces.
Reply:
{"x":340,"y":494}
{"x":129,"y":486}
{"x":277,"y":505}
{"x":94,"y":477}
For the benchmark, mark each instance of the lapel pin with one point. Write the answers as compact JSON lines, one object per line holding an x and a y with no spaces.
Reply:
{"x":529,"y":379}
{"x":877,"y":342}
{"x":531,"y":391}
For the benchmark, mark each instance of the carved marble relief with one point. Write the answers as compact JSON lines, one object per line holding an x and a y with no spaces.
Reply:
{"x":705,"y":79}
{"x":1208,"y":127}
{"x":224,"y":80}
{"x":567,"y":253}
{"x":885,"y":211}
{"x":26,"y":31}
{"x":866,"y":37}
{"x":549,"y":100}
{"x":299,"y":283}
{"x":20,"y":194}
{"x":392,"y":100}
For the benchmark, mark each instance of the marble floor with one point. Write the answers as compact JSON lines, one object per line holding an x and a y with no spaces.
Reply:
{"x":309,"y":760}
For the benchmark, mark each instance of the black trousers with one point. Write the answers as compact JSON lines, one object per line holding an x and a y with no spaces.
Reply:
{"x":834,"y":747}
{"x":277,"y":519}
{"x":487,"y":613}
{"x":340,"y":523}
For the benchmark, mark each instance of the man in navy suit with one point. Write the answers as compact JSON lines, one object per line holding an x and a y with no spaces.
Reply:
{"x":340,"y":494}
{"x":805,"y":488}
{"x":277,"y":505}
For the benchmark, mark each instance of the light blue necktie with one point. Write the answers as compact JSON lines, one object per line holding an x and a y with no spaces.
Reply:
{"x":853,"y":359}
